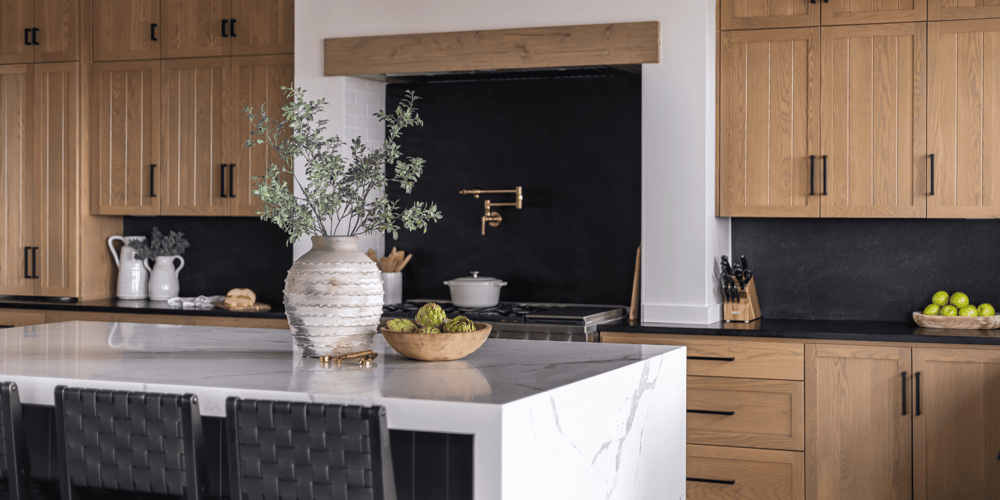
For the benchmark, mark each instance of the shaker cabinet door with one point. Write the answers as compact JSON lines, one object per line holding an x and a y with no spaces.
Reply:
{"x":837,"y":12}
{"x":263,"y":27}
{"x":126,"y":30}
{"x":769,"y":123}
{"x":196,"y":28}
{"x":17,"y":18}
{"x":58,"y":36}
{"x":752,"y":14}
{"x":943,"y":10}
{"x":125,"y":108}
{"x":17,"y":199}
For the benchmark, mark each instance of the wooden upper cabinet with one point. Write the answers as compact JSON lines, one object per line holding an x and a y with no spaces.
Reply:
{"x":58,"y":24}
{"x":196,"y":111}
{"x":956,"y":440}
{"x":751,"y":14}
{"x":125,"y":99}
{"x":964,"y":118}
{"x":127,"y":30}
{"x":17,"y":18}
{"x":17,"y":199}
{"x":257,"y":80}
{"x":943,"y":10}
{"x":56,"y":149}
{"x":196,"y":28}
{"x":873,"y":121}
{"x":263,"y":27}
{"x":836,"y":12}
{"x":858,"y":423}
{"x":769,"y":123}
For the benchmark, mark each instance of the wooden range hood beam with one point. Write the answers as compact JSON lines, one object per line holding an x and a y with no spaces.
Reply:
{"x":508,"y":49}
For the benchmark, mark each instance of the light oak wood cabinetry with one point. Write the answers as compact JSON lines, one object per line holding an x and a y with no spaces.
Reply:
{"x":11,"y":318}
{"x":17,"y":180}
{"x":127,"y":29}
{"x":837,"y":12}
{"x":263,"y":27}
{"x":941,"y":10}
{"x":745,"y":474}
{"x":39,"y":31}
{"x":964,"y":118}
{"x":17,"y":18}
{"x":746,"y":413}
{"x":196,"y":28}
{"x":750,"y":14}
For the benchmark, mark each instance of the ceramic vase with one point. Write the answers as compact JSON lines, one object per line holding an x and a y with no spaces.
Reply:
{"x":133,"y":278}
{"x":333,"y":298}
{"x":163,"y":278}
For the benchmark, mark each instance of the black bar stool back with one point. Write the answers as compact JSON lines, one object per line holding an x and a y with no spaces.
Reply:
{"x":14,"y":464}
{"x":285,"y":451}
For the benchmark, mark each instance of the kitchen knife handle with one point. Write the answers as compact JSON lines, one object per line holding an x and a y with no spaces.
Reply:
{"x":711,"y":358}
{"x":916,"y":377}
{"x":26,"y":275}
{"x":713,"y":412}
{"x":152,"y":181}
{"x":34,"y":263}
{"x":932,"y":174}
{"x":225,"y":34}
{"x":222,"y":182}
{"x":713,"y":481}
{"x":812,"y":175}
{"x":904,"y":393}
{"x":824,"y":176}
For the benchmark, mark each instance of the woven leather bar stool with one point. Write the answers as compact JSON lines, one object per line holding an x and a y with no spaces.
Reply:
{"x":140,"y":442}
{"x":14,"y":464}
{"x":283,"y":450}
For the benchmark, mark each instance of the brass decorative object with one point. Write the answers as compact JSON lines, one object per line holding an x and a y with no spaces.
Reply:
{"x":493,"y":218}
{"x":364,"y":358}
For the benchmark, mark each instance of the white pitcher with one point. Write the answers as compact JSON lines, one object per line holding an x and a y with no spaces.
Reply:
{"x":163,"y":283}
{"x":132,"y":276}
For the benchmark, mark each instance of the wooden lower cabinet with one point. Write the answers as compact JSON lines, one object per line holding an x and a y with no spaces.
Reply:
{"x":745,"y":412}
{"x":12,"y":318}
{"x":720,"y":473}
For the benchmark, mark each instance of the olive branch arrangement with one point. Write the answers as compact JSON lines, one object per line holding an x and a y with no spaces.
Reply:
{"x":160,"y":245}
{"x":350,"y":195}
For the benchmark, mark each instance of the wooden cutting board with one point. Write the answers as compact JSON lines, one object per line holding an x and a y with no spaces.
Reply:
{"x":258,"y":307}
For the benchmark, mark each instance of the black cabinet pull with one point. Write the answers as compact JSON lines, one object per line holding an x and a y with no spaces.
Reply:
{"x":152,"y":32}
{"x":152,"y":181}
{"x":904,"y":393}
{"x":6,"y":326}
{"x":932,"y":174}
{"x":713,"y":412}
{"x":27,"y":36}
{"x":824,"y":176}
{"x":232,"y":173}
{"x":222,"y":183}
{"x":34,"y":36}
{"x":711,"y":358}
{"x":225,"y":34}
{"x":232,"y":28}
{"x":713,"y":481}
{"x":812,"y":1}
{"x":34,"y":263}
{"x":812,"y":169}
{"x":26,"y":275}
{"x":916,"y":376}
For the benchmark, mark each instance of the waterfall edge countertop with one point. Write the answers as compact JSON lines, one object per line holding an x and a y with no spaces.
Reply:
{"x":133,"y":307}
{"x":549,"y":420}
{"x":864,"y":331}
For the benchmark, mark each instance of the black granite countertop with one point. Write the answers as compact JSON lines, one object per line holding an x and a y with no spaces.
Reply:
{"x":132,"y":307}
{"x":870,"y":331}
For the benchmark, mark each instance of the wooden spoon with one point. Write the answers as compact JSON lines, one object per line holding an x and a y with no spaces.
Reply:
{"x":405,"y":262}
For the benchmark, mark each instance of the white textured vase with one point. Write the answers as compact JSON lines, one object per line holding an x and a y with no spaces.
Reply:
{"x":333,"y":298}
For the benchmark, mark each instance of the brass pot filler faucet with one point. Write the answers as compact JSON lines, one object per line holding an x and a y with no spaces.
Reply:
{"x":491,"y":217}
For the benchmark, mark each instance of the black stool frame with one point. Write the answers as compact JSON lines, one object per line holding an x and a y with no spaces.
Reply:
{"x":15,"y":446}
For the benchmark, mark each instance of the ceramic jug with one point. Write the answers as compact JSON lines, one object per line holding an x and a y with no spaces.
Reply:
{"x":132,"y":276}
{"x":163,"y":283}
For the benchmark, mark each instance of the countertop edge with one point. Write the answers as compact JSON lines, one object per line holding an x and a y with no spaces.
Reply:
{"x":89,"y":307}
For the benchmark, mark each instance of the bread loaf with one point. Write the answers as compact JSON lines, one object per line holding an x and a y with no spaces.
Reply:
{"x":240,"y":297}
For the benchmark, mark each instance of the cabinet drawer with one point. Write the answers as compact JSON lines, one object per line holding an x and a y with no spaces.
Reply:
{"x":720,"y":473}
{"x":748,"y":413}
{"x":10,"y":319}
{"x":727,"y":358}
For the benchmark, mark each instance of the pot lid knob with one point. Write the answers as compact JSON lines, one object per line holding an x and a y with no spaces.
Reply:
{"x":475,"y":274}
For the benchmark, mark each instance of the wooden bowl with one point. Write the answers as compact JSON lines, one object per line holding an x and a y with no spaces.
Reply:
{"x":957,"y":322}
{"x":437,"y":346}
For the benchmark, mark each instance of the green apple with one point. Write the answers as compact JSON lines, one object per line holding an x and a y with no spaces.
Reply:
{"x":968,"y":311}
{"x":949,"y":310}
{"x":940,"y":298}
{"x":932,"y":310}
{"x":959,"y":300}
{"x":986,"y":309}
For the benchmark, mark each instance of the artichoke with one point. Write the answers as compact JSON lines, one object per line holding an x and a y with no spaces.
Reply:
{"x":431,"y":314}
{"x":428,"y":329}
{"x":401,"y":325}
{"x":459,"y":324}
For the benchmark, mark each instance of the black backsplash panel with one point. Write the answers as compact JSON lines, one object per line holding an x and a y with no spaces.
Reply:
{"x":574,"y":144}
{"x":866,"y":269}
{"x":226,"y":253}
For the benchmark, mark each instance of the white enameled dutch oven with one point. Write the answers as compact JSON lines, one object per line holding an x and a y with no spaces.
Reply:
{"x":475,"y":291}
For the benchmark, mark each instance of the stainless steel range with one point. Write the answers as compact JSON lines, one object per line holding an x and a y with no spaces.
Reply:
{"x":526,"y":320}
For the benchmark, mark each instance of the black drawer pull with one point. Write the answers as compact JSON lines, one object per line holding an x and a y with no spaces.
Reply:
{"x":812,"y":172}
{"x":904,"y":393}
{"x":26,"y":275}
{"x":932,"y":174}
{"x":824,"y":176}
{"x":916,"y":376}
{"x":152,"y":32}
{"x":152,"y":181}
{"x":225,"y":34}
{"x":34,"y":263}
{"x":27,"y":36}
{"x":713,"y":412}
{"x":222,"y":183}
{"x":713,"y":481}
{"x":711,"y":358}
{"x":34,"y":36}
{"x":6,"y":326}
{"x":232,"y":173}
{"x":232,"y":28}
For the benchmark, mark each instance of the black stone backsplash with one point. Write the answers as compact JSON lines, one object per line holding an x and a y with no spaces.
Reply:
{"x":574,"y":144}
{"x":866,"y":269}
{"x":226,"y":253}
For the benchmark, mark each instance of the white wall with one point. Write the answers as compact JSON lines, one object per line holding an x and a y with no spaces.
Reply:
{"x":682,"y":239}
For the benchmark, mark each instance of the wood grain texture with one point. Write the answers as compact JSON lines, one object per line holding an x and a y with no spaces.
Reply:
{"x":17,"y":179}
{"x":9,"y":317}
{"x":964,"y":118}
{"x":193,"y":28}
{"x":195,"y":115}
{"x":126,"y":128}
{"x":754,"y":14}
{"x":944,"y":10}
{"x":15,"y":17}
{"x":58,"y":23}
{"x":57,"y":177}
{"x":769,"y":413}
{"x":158,"y":319}
{"x":758,"y":474}
{"x":750,"y":359}
{"x":956,"y":439}
{"x":62,"y":317}
{"x":264,"y":27}
{"x":437,"y":346}
{"x":837,"y":12}
{"x":257,"y":81}
{"x":122,"y":30}
{"x":857,"y":437}
{"x":770,"y":122}
{"x":547,"y":47}
{"x":873,"y":120}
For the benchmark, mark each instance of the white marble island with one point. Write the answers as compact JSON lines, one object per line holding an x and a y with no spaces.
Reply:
{"x":549,"y":419}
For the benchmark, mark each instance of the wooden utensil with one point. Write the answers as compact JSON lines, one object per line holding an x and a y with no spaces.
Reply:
{"x":405,"y":262}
